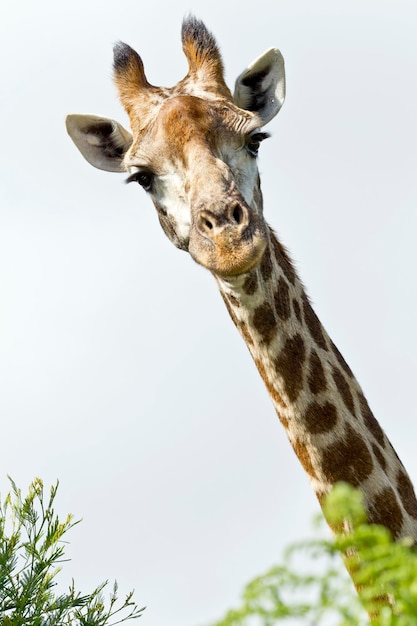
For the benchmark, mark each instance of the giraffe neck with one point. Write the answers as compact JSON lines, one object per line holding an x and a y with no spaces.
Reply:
{"x":317,"y":398}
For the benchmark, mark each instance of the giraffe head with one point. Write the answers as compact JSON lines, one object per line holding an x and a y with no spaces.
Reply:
{"x":193,"y":148}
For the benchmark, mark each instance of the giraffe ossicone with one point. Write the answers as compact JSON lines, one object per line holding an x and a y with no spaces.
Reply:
{"x":193,"y":148}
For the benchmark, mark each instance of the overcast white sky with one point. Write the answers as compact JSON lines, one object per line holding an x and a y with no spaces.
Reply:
{"x":121,"y":373}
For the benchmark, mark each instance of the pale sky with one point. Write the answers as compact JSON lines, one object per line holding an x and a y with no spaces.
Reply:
{"x":120,"y":371}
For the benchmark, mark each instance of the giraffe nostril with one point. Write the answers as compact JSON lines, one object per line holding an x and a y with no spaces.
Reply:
{"x":232,"y":218}
{"x":206,"y":223}
{"x":238,"y":214}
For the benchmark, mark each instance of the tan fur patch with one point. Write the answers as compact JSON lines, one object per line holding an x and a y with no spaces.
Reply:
{"x":229,"y":309}
{"x":245,"y":333}
{"x":303,"y":455}
{"x":276,"y":397}
{"x":233,"y":300}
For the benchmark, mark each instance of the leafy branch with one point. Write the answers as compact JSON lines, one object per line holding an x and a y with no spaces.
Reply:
{"x":312,"y":583}
{"x":32,"y":550}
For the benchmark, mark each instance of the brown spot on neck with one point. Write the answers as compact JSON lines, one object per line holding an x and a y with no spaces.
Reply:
{"x":297,"y":309}
{"x":385,"y":510}
{"x":407,"y":495}
{"x":264,"y":321}
{"x":370,"y":421}
{"x":316,"y":375}
{"x":314,"y":324}
{"x":348,"y":459}
{"x":250,"y":285}
{"x":344,"y":389}
{"x":341,"y":360}
{"x":266,"y":265}
{"x":282,"y":299}
{"x":320,"y":418}
{"x":289,"y":365}
{"x":379,"y":456}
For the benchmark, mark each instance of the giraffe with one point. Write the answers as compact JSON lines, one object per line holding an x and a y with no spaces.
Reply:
{"x":193,"y":149}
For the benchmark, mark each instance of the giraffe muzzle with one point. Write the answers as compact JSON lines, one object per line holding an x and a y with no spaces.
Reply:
{"x":227,"y":242}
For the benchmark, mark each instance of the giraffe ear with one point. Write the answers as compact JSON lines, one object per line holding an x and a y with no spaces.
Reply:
{"x":101,"y":141}
{"x":261,"y":87}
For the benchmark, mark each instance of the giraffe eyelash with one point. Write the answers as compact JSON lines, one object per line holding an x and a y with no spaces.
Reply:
{"x":254,"y":141}
{"x":144,"y":178}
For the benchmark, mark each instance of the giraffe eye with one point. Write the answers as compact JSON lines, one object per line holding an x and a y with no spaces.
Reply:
{"x":144,"y":178}
{"x":254,"y":141}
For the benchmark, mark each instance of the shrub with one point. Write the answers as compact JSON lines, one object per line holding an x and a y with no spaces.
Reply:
{"x":31,"y":553}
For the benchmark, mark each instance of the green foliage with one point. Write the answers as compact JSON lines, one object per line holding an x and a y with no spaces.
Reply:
{"x":384,"y":572}
{"x":31,"y":551}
